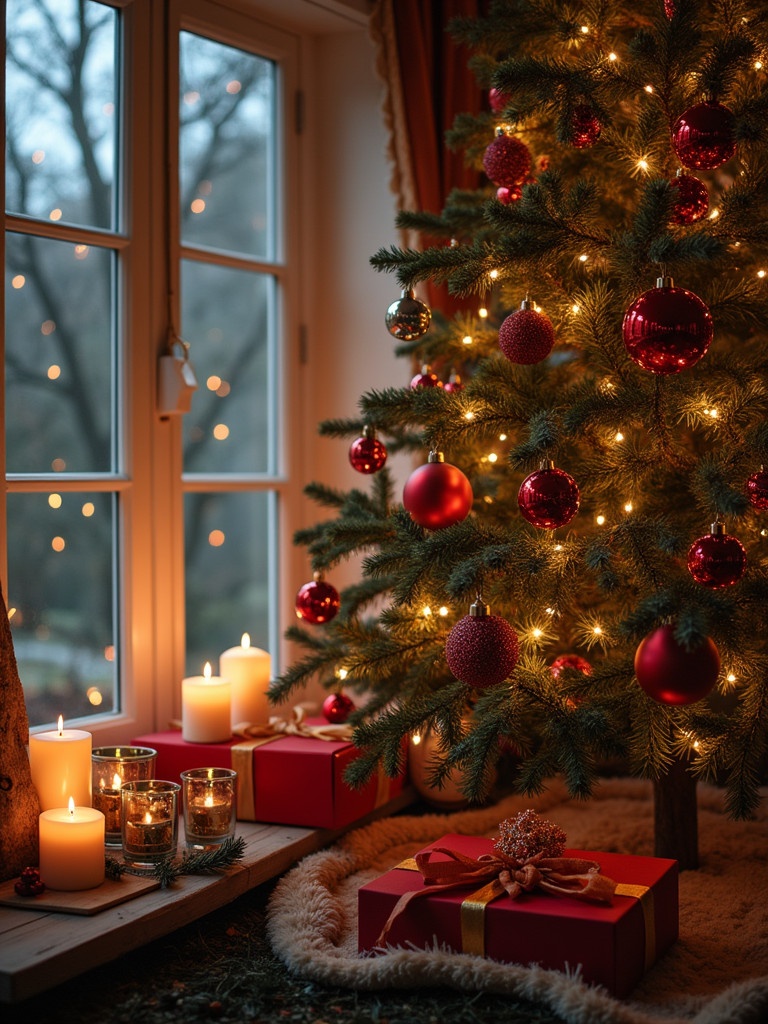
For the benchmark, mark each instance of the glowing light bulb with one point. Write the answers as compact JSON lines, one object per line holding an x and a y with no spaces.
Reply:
{"x":416,"y":739}
{"x":600,"y":520}
{"x":482,"y":312}
{"x":493,"y":274}
{"x":558,"y":547}
{"x":575,"y":307}
{"x":502,"y":437}
{"x":442,"y":610}
{"x":758,"y":65}
{"x":619,"y":436}
{"x":426,"y":611}
{"x":585,"y":29}
{"x":342,"y":673}
{"x":597,"y":630}
{"x":642,"y":164}
{"x":731,"y":677}
{"x":761,"y":273}
{"x":649,"y":88}
{"x":467,"y":339}
{"x":493,"y":457}
{"x":583,"y":258}
{"x":469,"y":415}
{"x":627,"y":506}
{"x":612,"y":56}
{"x":714,"y":214}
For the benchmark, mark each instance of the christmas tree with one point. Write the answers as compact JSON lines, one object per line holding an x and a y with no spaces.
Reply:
{"x":574,"y":572}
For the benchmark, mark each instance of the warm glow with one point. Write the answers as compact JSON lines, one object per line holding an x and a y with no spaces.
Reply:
{"x":758,"y":65}
{"x":221,"y":431}
{"x":208,"y":802}
{"x":467,"y":339}
{"x":54,"y":372}
{"x":245,"y":641}
{"x":585,"y":29}
{"x":342,"y":673}
{"x":18,"y":281}
{"x":59,"y":465}
{"x":55,"y":214}
{"x":597,"y":630}
{"x":469,"y":415}
{"x":233,"y":87}
{"x":550,"y":611}
{"x":54,"y":500}
{"x":761,"y":273}
{"x":558,"y":547}
{"x":47,"y":327}
{"x":649,"y":88}
{"x":109,"y":652}
{"x":731,"y":677}
{"x":416,"y":739}
{"x":619,"y":436}
{"x":38,"y":156}
{"x":600,"y":520}
{"x":714,"y":214}
{"x":71,"y":806}
{"x":612,"y":56}
{"x":493,"y":457}
{"x":81,"y":251}
{"x":216,"y":538}
{"x":60,"y":725}
{"x":575,"y":308}
{"x":207,"y":670}
{"x":442,"y":610}
{"x":88,"y":509}
{"x":583,"y":257}
{"x":94,"y":695}
{"x":536,"y":633}
{"x":482,"y":312}
{"x":493,"y":274}
{"x":426,"y":611}
{"x":58,"y":543}
{"x":147,"y":818}
{"x":197,"y":205}
{"x":628,"y":506}
{"x":116,"y":781}
{"x":223,"y":389}
{"x":642,"y":165}
{"x":502,"y":437}
{"x":213,"y":383}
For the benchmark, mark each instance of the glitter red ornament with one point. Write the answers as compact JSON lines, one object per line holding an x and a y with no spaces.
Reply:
{"x":367,"y":454}
{"x":757,"y":489}
{"x":437,"y":494}
{"x":528,"y":834}
{"x":337,"y":707}
{"x":507,"y":160}
{"x":667,"y":329}
{"x":703,"y":136}
{"x":426,"y":379}
{"x":317,"y":601}
{"x":549,"y":497}
{"x":526,"y":336}
{"x":481,"y":649}
{"x":672,"y":674}
{"x":408,"y":317}
{"x":690,"y":200}
{"x":572,"y":661}
{"x":584,"y":128}
{"x":717,"y":560}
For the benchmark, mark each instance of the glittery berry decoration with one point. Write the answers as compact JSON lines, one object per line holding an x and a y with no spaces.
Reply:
{"x":528,"y":834}
{"x":585,"y":127}
{"x":30,"y":883}
{"x":526,"y":336}
{"x":481,"y":649}
{"x":507,"y":160}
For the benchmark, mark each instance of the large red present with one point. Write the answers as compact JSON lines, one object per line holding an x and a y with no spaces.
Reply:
{"x":283,"y":779}
{"x":613,"y":943}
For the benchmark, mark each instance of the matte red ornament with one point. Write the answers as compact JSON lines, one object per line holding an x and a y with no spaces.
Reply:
{"x":337,"y":707}
{"x":453,"y":385}
{"x":670,"y":673}
{"x":317,"y":601}
{"x":717,"y":560}
{"x":757,"y":489}
{"x":573,"y":661}
{"x":585,"y":127}
{"x":667,"y":329}
{"x":507,"y":160}
{"x":367,"y":454}
{"x":525,"y":336}
{"x":498,"y":100}
{"x":703,"y":136}
{"x":437,"y":494}
{"x":549,"y":497}
{"x":690,"y":199}
{"x":408,"y":317}
{"x":481,"y":649}
{"x":426,"y":379}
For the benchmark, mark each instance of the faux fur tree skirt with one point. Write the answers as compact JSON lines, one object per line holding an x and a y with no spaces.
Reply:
{"x":716,"y":973}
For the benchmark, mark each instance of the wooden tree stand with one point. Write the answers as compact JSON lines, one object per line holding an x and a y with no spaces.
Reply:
{"x":675,"y":816}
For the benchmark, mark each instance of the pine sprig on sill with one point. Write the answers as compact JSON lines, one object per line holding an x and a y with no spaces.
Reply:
{"x":204,"y":863}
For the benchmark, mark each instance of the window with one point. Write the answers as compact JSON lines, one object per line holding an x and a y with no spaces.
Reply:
{"x":148,"y":150}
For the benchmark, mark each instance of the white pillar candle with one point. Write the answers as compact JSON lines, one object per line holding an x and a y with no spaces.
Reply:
{"x":249,"y":670}
{"x":72,"y":847}
{"x":206,"y":703}
{"x":61,"y":766}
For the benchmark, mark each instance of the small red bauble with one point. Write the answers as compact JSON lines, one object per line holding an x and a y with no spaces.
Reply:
{"x":670,"y":8}
{"x":690,"y":200}
{"x":367,"y":454}
{"x":453,"y":385}
{"x":717,"y":560}
{"x":585,"y":127}
{"x":437,"y":494}
{"x":507,"y":161}
{"x":574,"y":661}
{"x":549,"y":497}
{"x":703,"y":136}
{"x":337,"y":707}
{"x":426,"y":379}
{"x":408,"y":317}
{"x":667,"y":329}
{"x":481,"y":649}
{"x":757,"y":489}
{"x":317,"y":601}
{"x":526,"y":337}
{"x":498,"y":100}
{"x":509,"y":194}
{"x":670,"y":673}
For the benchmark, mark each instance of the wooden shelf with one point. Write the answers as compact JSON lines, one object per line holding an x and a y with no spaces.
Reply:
{"x":39,"y":949}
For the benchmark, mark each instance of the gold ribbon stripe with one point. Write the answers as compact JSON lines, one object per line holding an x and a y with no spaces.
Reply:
{"x":241,"y":755}
{"x":645,"y":895}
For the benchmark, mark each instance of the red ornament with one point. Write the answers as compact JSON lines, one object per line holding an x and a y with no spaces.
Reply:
{"x":498,"y":100}
{"x":317,"y":601}
{"x":574,"y":661}
{"x":703,"y":136}
{"x":29,"y":883}
{"x":509,"y":195}
{"x":670,"y":673}
{"x":408,"y":318}
{"x":453,"y":385}
{"x":757,"y":489}
{"x":670,"y":8}
{"x":717,"y":560}
{"x":337,"y":707}
{"x":585,"y":127}
{"x":667,"y":329}
{"x":426,"y":379}
{"x":507,"y":160}
{"x":690,"y":199}
{"x":481,"y":649}
{"x":526,"y":337}
{"x":437,"y":494}
{"x":549,"y":497}
{"x":367,"y":454}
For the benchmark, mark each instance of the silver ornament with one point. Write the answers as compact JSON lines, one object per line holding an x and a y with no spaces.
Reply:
{"x":408,"y":317}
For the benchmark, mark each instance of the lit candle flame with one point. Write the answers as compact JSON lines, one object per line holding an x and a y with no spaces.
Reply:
{"x":416,"y":739}
{"x":209,"y":800}
{"x":245,"y":643}
{"x":147,"y":818}
{"x":71,"y":806}
{"x":207,"y":670}
{"x":116,"y":781}
{"x":61,"y":725}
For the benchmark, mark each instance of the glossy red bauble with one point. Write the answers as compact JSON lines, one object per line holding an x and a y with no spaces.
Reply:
{"x":717,"y":560}
{"x":367,"y":454}
{"x":498,"y":100}
{"x":572,"y":661}
{"x":757,"y":489}
{"x":667,"y":329}
{"x":670,"y":673}
{"x":549,"y":497}
{"x":453,"y":385}
{"x":525,"y":336}
{"x":703,"y":136}
{"x":690,"y":199}
{"x":317,"y":601}
{"x":408,"y":317}
{"x":437,"y":494}
{"x":337,"y":707}
{"x":426,"y":379}
{"x":481,"y":649}
{"x":585,"y":127}
{"x":507,"y":161}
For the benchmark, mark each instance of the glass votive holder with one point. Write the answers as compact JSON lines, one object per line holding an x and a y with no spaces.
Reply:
{"x":150,"y":825}
{"x":110,"y":768}
{"x":210,"y":806}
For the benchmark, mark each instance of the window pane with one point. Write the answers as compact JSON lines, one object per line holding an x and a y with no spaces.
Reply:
{"x":228,"y":540}
{"x":227,"y":317}
{"x":226,"y":153}
{"x":61,"y":110}
{"x":59,"y":410}
{"x":61,"y":582}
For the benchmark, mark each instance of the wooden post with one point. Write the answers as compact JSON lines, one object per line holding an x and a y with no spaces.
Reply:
{"x":675,"y":816}
{"x":19,"y":804}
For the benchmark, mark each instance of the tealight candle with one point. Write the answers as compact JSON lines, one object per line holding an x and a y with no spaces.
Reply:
{"x":111,"y":767}
{"x":206,"y":703}
{"x":150,"y":822}
{"x":61,"y":766}
{"x":209,"y":805}
{"x":248,"y":670}
{"x":72,"y":847}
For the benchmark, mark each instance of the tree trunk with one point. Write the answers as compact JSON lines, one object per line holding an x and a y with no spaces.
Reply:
{"x":675,"y":816}
{"x":19,"y":804}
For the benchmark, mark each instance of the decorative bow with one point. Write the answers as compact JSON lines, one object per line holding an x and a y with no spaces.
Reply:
{"x":296,"y":725}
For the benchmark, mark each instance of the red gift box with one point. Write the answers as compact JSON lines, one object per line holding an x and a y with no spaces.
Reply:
{"x":614,"y":944}
{"x":286,"y":780}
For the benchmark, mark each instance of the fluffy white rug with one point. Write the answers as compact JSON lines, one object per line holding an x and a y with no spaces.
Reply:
{"x":716,"y":973}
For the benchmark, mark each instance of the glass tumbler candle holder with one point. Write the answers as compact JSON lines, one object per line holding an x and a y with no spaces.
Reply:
{"x":150,"y":825}
{"x":210,"y":805}
{"x":110,"y":768}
